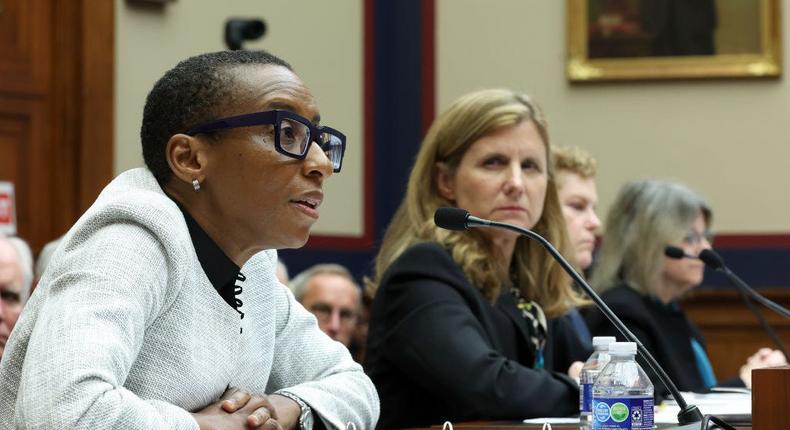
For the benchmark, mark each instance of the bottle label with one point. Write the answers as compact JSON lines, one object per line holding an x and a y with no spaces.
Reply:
{"x":618,"y":413}
{"x":586,"y":400}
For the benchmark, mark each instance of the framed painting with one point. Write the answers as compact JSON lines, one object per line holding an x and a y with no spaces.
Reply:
{"x":612,"y":40}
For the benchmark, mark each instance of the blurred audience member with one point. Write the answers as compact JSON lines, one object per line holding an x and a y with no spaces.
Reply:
{"x":45,"y":256}
{"x":359,"y":340}
{"x":331,"y":294}
{"x":16,"y":276}
{"x":644,"y":288}
{"x":574,"y":171}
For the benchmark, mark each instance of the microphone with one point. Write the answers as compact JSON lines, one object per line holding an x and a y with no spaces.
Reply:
{"x":713,"y":260}
{"x":451,"y":218}
{"x":677,"y":253}
{"x":460,"y":219}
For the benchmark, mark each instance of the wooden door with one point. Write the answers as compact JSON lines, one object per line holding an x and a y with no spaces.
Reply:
{"x":56,"y":109}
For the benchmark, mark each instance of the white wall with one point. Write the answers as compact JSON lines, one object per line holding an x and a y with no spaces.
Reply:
{"x":727,"y":139}
{"x":321,"y":40}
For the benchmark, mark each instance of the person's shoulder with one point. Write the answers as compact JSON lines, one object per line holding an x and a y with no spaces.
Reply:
{"x":428,"y":259}
{"x":136,"y":194}
{"x":134,"y":197}
{"x":424,"y":250}
{"x":627,"y":303}
{"x":623,"y":295}
{"x":623,"y":300}
{"x":136,"y":219}
{"x":424,"y":274}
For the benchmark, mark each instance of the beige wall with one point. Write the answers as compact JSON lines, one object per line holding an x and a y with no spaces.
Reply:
{"x":725,"y":138}
{"x":151,"y":40}
{"x":728,"y":139}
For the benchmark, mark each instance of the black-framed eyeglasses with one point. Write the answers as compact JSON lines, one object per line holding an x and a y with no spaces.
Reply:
{"x":323,"y":312}
{"x":293,"y":134}
{"x":695,"y":237}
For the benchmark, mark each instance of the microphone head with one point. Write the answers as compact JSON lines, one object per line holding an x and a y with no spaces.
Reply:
{"x":674,"y":252}
{"x":711,"y":259}
{"x":451,"y":218}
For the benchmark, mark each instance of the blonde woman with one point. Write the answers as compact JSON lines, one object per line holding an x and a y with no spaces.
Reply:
{"x":462,"y":324}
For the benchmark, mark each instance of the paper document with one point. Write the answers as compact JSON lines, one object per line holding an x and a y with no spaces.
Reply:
{"x":552,"y":420}
{"x":719,"y":404}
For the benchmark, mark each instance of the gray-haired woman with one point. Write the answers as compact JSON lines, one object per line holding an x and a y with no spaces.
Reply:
{"x":643,"y":287}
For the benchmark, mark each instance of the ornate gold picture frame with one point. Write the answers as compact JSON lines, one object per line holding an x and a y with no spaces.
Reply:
{"x":613,"y":40}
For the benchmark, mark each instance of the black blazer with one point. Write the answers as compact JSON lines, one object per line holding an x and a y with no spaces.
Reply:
{"x":664,"y":330}
{"x":435,"y":352}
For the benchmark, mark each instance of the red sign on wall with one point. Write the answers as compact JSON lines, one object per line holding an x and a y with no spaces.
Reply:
{"x":7,"y":209}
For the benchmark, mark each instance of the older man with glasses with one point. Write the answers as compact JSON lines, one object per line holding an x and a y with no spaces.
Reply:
{"x":16,"y":278}
{"x":331,"y":294}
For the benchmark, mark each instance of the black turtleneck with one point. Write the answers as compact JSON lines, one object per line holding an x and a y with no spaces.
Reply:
{"x":219,"y":268}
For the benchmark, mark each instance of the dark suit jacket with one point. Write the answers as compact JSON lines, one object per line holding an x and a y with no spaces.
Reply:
{"x":435,"y":352}
{"x":664,"y":330}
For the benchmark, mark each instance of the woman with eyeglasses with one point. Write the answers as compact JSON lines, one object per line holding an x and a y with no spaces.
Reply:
{"x":462,"y":326}
{"x":160,"y":309}
{"x":644,"y":287}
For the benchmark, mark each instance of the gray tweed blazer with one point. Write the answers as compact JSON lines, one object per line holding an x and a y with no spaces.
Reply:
{"x":125,"y":331}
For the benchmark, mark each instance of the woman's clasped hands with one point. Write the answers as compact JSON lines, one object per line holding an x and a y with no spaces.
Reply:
{"x":239,"y":409}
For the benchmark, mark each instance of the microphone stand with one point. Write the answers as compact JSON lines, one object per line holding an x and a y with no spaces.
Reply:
{"x":766,"y":327}
{"x":746,"y":289}
{"x":688,"y":413}
{"x":714,"y":261}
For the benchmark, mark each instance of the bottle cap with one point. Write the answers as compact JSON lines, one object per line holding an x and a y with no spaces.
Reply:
{"x":603,"y":340}
{"x":622,"y":348}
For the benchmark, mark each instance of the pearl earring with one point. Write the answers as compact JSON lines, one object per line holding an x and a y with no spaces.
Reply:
{"x":195,"y":184}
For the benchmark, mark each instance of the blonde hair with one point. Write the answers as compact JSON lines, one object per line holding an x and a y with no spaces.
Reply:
{"x":645,"y":217}
{"x":574,"y":160}
{"x":471,"y":117}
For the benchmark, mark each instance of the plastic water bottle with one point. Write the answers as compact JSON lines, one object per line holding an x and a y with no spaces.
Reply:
{"x":622,"y":395}
{"x":592,"y":367}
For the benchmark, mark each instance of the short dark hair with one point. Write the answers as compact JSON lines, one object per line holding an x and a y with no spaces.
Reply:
{"x":191,"y":93}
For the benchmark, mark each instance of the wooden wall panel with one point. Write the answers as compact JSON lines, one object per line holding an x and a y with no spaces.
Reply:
{"x":14,"y":131}
{"x":23,"y":136}
{"x":56,"y":109}
{"x":97,"y":99}
{"x":25,"y":46}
